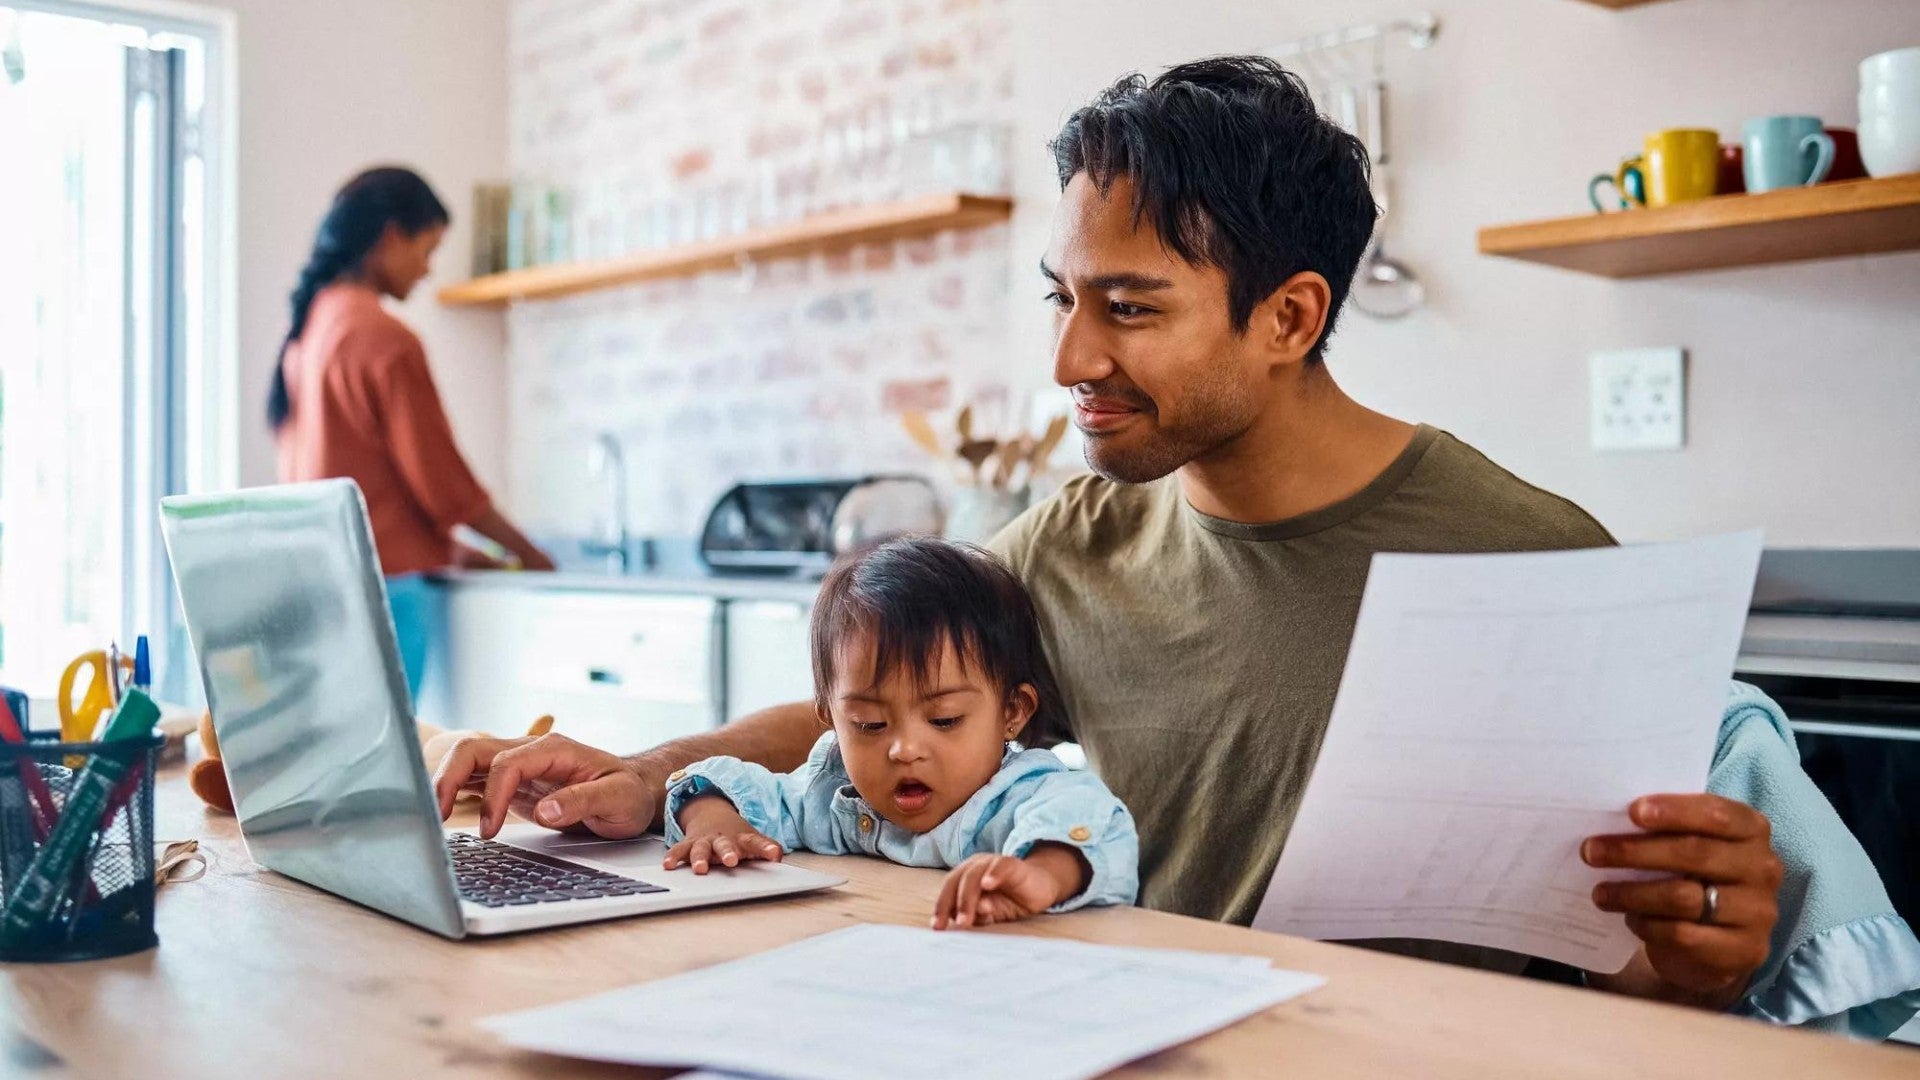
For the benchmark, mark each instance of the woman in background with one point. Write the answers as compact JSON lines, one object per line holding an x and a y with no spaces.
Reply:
{"x":352,"y":397}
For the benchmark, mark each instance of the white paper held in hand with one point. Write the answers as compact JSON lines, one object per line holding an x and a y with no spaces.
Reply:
{"x":883,"y":1002}
{"x":1495,"y":711}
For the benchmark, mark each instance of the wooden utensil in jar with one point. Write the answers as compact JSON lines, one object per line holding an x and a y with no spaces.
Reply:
{"x":976,"y":452}
{"x":1012,"y":453}
{"x":1041,"y":451}
{"x":921,"y":431}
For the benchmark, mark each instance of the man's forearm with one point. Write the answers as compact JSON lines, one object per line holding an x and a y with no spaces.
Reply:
{"x":777,"y":738}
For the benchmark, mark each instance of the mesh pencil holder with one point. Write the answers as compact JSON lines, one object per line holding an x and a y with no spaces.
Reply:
{"x":76,"y":849}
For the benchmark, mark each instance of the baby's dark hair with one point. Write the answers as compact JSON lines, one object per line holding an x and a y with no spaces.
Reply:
{"x":915,"y":594}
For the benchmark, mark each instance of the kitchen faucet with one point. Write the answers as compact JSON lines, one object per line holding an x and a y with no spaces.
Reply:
{"x":609,"y":464}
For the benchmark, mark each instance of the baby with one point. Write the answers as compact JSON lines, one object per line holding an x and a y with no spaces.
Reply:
{"x":927,"y":665}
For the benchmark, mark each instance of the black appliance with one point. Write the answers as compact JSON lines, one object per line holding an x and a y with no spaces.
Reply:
{"x":1834,"y":637}
{"x":800,"y":527}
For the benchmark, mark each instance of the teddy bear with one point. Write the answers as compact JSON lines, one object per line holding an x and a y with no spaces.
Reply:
{"x":208,"y":777}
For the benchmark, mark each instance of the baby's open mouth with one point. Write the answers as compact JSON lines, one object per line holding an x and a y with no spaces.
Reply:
{"x":912,"y":796}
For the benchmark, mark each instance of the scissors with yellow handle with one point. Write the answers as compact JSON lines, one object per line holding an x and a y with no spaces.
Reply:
{"x":80,"y":719}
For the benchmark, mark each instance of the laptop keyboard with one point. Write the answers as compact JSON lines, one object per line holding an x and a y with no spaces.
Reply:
{"x":499,"y":875}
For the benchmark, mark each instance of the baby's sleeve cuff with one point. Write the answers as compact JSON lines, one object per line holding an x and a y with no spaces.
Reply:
{"x":1109,"y":883}
{"x":753,"y":791}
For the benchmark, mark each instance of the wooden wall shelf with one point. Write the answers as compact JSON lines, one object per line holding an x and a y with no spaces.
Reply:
{"x":1857,"y":217}
{"x":822,"y":232}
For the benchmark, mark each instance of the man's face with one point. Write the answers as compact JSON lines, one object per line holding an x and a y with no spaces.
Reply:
{"x":1143,"y":338}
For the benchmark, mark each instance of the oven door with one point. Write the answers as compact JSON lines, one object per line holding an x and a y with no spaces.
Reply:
{"x":1860,"y":742}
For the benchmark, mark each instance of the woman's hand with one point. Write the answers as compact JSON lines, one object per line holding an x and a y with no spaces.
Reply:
{"x":534,"y":559}
{"x":715,"y":832}
{"x":467,"y":557}
{"x":989,"y":889}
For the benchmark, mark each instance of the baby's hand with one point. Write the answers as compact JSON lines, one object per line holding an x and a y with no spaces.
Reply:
{"x":989,"y":889}
{"x":715,"y":832}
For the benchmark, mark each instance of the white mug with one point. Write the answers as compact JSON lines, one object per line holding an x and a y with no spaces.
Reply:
{"x":1894,"y":65}
{"x":1890,"y":112}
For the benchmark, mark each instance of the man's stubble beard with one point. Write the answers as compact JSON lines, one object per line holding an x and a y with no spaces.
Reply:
{"x":1166,"y":450}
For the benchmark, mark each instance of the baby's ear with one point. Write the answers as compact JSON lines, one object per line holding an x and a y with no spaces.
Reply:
{"x":1022,"y":703}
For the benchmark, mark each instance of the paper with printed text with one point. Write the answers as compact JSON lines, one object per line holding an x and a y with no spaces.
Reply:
{"x":1495,"y":711}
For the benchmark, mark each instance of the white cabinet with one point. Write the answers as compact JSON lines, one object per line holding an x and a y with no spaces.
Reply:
{"x":768,"y":659}
{"x":623,"y":672}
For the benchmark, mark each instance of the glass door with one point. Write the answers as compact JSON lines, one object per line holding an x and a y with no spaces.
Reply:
{"x":102,"y":204}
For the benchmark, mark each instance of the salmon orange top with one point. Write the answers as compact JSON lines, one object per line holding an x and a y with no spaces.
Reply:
{"x":364,"y":407}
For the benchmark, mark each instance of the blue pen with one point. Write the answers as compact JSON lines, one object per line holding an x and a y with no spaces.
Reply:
{"x":142,"y":667}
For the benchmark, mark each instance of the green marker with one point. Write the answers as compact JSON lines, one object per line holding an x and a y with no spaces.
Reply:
{"x":51,"y":873}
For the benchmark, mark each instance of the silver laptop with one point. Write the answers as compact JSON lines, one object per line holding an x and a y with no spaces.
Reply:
{"x":288,"y":615}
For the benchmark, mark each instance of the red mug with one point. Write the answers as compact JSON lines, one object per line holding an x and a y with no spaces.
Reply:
{"x":1732,"y":176}
{"x":1846,"y":156}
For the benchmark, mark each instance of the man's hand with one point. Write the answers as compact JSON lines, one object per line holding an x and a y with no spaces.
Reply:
{"x":1703,"y":840}
{"x":988,"y":889}
{"x":715,"y":832}
{"x":549,"y":779}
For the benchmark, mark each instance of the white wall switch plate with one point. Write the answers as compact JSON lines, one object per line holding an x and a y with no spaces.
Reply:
{"x":1639,"y":399}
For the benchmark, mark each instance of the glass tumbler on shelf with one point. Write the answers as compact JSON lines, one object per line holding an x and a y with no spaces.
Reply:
{"x":829,"y":170}
{"x":592,"y":223}
{"x":656,"y":218}
{"x":737,"y":207}
{"x":878,"y":152}
{"x":922,"y":118}
{"x":629,"y":215}
{"x":559,"y":232}
{"x":984,"y":160}
{"x":683,"y":215}
{"x":526,"y":231}
{"x":767,"y":206}
{"x":796,"y":187}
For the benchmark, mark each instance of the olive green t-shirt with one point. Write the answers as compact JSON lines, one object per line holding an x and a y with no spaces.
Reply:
{"x":1199,"y":657}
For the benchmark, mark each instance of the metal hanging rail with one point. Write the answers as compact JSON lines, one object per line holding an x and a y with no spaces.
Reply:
{"x":1420,"y":30}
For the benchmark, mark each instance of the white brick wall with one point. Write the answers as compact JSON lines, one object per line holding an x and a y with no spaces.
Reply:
{"x":800,"y":370}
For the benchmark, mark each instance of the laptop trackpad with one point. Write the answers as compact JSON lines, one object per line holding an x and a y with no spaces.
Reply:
{"x":641,"y":859}
{"x":636,"y":858}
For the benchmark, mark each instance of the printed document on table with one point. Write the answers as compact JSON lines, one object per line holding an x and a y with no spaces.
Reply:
{"x":1495,"y":711}
{"x":890,"y":1001}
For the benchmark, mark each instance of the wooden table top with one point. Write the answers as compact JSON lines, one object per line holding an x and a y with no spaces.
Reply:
{"x":260,"y":976}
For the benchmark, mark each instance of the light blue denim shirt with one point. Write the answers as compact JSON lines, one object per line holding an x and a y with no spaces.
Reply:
{"x":1034,"y":797}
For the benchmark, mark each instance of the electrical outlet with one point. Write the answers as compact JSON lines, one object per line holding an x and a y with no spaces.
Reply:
{"x":1639,"y":399}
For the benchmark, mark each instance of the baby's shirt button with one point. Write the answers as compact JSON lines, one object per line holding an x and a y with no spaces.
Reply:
{"x":866,"y":823}
{"x":1079,"y":834}
{"x":677,"y":776}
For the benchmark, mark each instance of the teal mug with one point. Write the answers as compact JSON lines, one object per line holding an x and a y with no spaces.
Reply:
{"x":1628,"y":183}
{"x":1786,"y":151}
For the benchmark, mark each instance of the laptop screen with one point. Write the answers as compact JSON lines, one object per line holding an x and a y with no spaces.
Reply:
{"x":287,"y":612}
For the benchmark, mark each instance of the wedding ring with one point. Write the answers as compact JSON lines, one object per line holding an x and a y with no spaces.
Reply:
{"x":1709,"y":903}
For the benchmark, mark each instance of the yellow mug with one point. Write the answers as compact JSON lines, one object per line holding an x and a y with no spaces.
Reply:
{"x":1676,"y":165}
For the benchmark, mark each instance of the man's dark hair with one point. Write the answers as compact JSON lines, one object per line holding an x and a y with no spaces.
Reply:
{"x":1235,"y":168}
{"x":915,"y":594}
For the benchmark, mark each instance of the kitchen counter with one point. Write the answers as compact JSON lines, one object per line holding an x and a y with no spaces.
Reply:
{"x":667,"y":583}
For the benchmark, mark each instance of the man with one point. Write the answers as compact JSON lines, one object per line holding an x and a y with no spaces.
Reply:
{"x":1200,"y":592}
